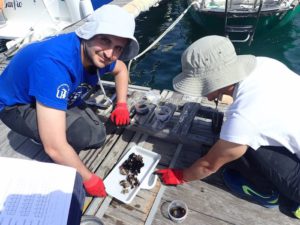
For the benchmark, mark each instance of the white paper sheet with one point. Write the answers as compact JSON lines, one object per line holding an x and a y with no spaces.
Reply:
{"x":34,"y":193}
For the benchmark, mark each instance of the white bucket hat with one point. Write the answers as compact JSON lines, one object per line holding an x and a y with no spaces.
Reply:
{"x":112,"y":20}
{"x":210,"y":64}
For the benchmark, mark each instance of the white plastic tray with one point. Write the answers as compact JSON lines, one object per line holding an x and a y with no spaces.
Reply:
{"x":146,"y":177}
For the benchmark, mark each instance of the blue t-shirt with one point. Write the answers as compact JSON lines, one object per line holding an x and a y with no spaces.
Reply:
{"x":50,"y":72}
{"x":98,"y":3}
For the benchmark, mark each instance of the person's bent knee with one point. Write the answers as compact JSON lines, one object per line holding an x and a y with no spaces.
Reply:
{"x":98,"y":136}
{"x":82,"y":135}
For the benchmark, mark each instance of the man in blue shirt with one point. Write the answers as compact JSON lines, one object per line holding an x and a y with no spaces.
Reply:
{"x":39,"y":87}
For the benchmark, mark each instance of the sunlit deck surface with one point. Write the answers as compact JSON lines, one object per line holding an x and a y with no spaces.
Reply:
{"x":180,"y":140}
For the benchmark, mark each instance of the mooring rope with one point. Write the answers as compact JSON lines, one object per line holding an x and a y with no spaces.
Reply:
{"x":163,"y":34}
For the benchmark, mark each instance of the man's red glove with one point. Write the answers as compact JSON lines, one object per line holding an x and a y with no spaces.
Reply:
{"x":120,"y":116}
{"x":94,"y":186}
{"x":171,"y":176}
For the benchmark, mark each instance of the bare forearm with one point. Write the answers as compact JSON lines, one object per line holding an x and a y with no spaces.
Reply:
{"x":67,"y":156}
{"x":52,"y":130}
{"x":221,"y":153}
{"x":199,"y":170}
{"x":121,"y":88}
{"x":121,"y":80}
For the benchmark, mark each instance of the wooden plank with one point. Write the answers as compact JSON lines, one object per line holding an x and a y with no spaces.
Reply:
{"x":98,"y":155}
{"x":211,"y":205}
{"x":4,"y":132}
{"x":134,"y":213}
{"x":161,"y":191}
{"x":11,"y":145}
{"x":124,"y":217}
{"x":162,"y":147}
{"x":17,"y":146}
{"x":209,"y":201}
{"x":114,"y":155}
{"x":137,"y":211}
{"x":186,"y":118}
{"x":119,"y":147}
{"x":89,"y":155}
{"x":165,"y":134}
{"x":178,"y":128}
{"x":137,"y":139}
{"x":179,"y":99}
{"x":104,"y":164}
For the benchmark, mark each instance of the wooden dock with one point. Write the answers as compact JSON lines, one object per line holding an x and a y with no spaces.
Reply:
{"x":184,"y":137}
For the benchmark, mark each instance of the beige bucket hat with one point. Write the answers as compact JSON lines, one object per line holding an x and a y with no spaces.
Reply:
{"x":112,"y":20}
{"x":210,"y":64}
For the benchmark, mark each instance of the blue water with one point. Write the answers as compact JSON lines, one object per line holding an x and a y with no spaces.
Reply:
{"x":158,"y":66}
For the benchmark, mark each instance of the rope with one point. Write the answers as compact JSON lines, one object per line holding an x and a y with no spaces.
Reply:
{"x":163,"y":34}
{"x":102,"y":88}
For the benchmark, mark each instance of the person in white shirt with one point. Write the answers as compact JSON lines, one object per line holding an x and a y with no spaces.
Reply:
{"x":261,"y":127}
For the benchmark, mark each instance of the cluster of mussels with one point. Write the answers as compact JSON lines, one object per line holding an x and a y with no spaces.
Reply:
{"x":131,"y":168}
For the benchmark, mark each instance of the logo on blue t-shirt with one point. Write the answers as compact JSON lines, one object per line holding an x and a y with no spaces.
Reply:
{"x":62,"y":91}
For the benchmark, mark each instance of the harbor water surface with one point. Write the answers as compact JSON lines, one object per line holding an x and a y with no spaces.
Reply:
{"x":158,"y":66}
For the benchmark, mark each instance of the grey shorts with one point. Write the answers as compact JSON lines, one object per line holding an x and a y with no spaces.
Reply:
{"x":84,"y":128}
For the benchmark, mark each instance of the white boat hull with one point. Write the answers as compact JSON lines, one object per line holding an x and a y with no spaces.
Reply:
{"x":41,"y":17}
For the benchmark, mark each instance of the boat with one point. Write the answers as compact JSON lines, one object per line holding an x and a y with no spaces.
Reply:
{"x":241,"y":19}
{"x":29,"y":20}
